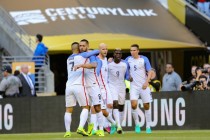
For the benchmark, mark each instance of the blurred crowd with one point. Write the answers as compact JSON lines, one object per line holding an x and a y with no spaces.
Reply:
{"x":201,"y":5}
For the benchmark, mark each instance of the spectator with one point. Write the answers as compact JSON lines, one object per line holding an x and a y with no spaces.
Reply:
{"x":206,"y":7}
{"x":40,"y":51}
{"x":171,"y":80}
{"x":193,"y":72}
{"x":16,"y":72}
{"x":200,"y":5}
{"x":154,"y":83}
{"x":27,"y":83}
{"x":202,"y":80}
{"x":9,"y":86}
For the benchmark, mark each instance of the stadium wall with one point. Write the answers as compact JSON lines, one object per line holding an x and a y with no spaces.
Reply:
{"x":170,"y":110}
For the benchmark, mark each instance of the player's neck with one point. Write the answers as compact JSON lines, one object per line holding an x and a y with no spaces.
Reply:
{"x":117,"y":61}
{"x":101,"y":57}
{"x":136,"y":57}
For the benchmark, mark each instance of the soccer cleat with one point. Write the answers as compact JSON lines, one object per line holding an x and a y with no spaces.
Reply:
{"x":81,"y":131}
{"x":119,"y":130}
{"x":90,"y":128}
{"x":94,"y":132}
{"x":107,"y":129}
{"x":113,"y":129}
{"x":137,"y":129}
{"x":67,"y":135}
{"x":148,"y":130}
{"x":100,"y":133}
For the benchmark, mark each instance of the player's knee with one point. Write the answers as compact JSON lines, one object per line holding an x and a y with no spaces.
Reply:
{"x":105,"y":113}
{"x":110,"y":106}
{"x":146,"y":106}
{"x":69,"y":109}
{"x":97,"y":108}
{"x":115,"y":105}
{"x":121,"y":108}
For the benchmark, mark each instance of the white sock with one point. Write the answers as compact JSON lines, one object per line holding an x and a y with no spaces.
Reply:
{"x":110,"y":119}
{"x":109,"y":110}
{"x":100,"y":120}
{"x":83,"y":117}
{"x":135,"y":116}
{"x":148,"y":117}
{"x":121,"y":117}
{"x":67,"y":121}
{"x":94,"y":121}
{"x":116,"y":117}
{"x":106,"y":123}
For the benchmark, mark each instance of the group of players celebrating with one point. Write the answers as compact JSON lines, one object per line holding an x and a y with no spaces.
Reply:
{"x":98,"y":86}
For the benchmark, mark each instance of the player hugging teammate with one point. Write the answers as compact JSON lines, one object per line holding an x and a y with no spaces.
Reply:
{"x":98,"y":86}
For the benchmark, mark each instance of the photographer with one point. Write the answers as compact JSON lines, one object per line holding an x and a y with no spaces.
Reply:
{"x":200,"y":83}
{"x":154,"y":83}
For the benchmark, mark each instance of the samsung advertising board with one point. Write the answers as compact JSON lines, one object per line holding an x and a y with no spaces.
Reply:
{"x":170,"y":110}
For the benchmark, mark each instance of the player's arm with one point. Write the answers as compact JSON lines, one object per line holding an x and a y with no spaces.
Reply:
{"x":127,"y":74}
{"x":99,"y":66}
{"x":91,"y":65}
{"x":148,"y":69}
{"x":89,"y":54}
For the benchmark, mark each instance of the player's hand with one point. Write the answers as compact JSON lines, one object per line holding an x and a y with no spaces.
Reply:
{"x":145,"y":85}
{"x":77,"y":67}
{"x":110,"y":59}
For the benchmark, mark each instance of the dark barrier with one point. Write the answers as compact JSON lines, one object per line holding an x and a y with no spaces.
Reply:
{"x":170,"y":110}
{"x":198,"y":24}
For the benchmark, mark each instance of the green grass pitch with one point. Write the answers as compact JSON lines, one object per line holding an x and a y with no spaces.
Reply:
{"x":156,"y":135}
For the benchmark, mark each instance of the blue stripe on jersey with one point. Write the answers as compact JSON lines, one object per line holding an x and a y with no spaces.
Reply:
{"x":146,"y":63}
{"x":88,"y":54}
{"x":127,"y":74}
{"x":99,"y":66}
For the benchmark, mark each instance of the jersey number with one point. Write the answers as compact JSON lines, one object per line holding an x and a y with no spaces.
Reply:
{"x":135,"y":67}
{"x":72,"y":65}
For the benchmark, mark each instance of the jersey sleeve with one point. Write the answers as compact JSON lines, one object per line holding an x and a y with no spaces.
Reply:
{"x":126,"y":60}
{"x":88,"y":54}
{"x":127,"y":74}
{"x":99,"y":66}
{"x":147,"y":63}
{"x":92,"y":59}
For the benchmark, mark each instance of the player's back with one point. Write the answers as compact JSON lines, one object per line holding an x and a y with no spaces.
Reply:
{"x":138,"y":69}
{"x":116,"y":73}
{"x":75,"y":77}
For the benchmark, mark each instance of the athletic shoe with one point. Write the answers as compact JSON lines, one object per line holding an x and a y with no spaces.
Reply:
{"x":100,"y":133}
{"x":67,"y":135}
{"x":81,"y":131}
{"x":90,"y":128}
{"x":94,"y":132}
{"x":113,"y":129}
{"x":148,"y":130}
{"x":107,"y":129}
{"x":137,"y":129}
{"x":119,"y":130}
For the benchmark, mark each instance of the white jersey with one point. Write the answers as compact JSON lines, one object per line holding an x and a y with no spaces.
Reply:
{"x":90,"y":74}
{"x":77,"y":77}
{"x":138,"y":69}
{"x":117,"y":73}
{"x":103,"y":75}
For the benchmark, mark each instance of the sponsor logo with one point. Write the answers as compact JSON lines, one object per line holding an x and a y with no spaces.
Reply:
{"x":6,"y":117}
{"x":28,"y":17}
{"x":74,"y":13}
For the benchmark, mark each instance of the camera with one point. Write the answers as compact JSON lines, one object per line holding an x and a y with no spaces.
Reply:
{"x":190,"y":86}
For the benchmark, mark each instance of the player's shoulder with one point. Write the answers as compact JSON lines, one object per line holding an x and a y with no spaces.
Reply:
{"x":144,"y":57}
{"x":128,"y":58}
{"x":72,"y":56}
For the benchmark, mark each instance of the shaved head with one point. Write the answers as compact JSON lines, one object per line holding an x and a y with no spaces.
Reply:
{"x":103,"y":50}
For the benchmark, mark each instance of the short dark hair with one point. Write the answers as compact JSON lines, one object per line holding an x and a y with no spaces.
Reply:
{"x":135,"y":45}
{"x":16,"y":72}
{"x":75,"y":43}
{"x":202,"y":76}
{"x":39,"y":37}
{"x":84,"y":40}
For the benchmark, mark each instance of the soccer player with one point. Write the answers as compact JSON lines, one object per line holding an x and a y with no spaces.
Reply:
{"x":107,"y":102}
{"x":92,"y":85}
{"x":75,"y":89}
{"x":140,"y":71}
{"x":117,"y":73}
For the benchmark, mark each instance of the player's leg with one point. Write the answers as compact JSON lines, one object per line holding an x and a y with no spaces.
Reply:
{"x":83,"y":100}
{"x":147,"y":99}
{"x":93,"y":121}
{"x":70,"y":102}
{"x":95,"y":95}
{"x":121,"y":101}
{"x":134,"y":95}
